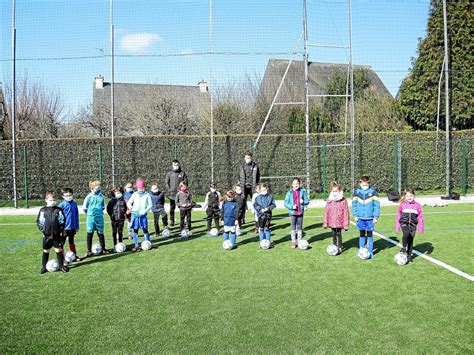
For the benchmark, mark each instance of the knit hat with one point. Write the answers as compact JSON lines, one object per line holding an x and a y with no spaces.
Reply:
{"x":140,"y":184}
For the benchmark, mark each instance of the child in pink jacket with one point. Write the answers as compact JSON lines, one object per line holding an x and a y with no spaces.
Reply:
{"x":409,"y":219}
{"x":336,"y":214}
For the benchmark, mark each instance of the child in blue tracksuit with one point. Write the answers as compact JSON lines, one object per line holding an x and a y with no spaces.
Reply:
{"x":366,"y":211}
{"x":139,"y":205}
{"x":263,"y":205}
{"x":296,"y":200}
{"x":71,"y":212}
{"x":94,"y":205}
{"x":230,"y":212}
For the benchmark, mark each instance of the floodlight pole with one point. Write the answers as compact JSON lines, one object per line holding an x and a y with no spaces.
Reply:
{"x":446,"y":88}
{"x":13,"y":103}
{"x":112,"y":93}
{"x":306,"y":89}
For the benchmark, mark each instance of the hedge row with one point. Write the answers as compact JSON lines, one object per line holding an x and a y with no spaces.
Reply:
{"x":53,"y":164}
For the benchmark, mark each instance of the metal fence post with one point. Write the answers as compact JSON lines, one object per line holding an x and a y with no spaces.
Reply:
{"x":25,"y":173}
{"x":100,"y":163}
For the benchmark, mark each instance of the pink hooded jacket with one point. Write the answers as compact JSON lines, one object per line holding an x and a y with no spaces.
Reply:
{"x":336,"y":214}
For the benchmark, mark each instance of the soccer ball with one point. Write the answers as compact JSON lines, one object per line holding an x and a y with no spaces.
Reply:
{"x":363,"y":253}
{"x":52,"y":265}
{"x":332,"y":250}
{"x":214,"y":232}
{"x":70,"y":256}
{"x":265,"y":244}
{"x":227,"y":245}
{"x":166,"y":233}
{"x":120,"y":247}
{"x":146,"y":245}
{"x":96,"y":249}
{"x":400,"y":258}
{"x":303,"y":244}
{"x":184,"y":233}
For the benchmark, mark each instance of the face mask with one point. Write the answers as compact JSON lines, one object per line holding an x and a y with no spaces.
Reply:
{"x":365,"y":187}
{"x":182,"y":189}
{"x":155,"y":191}
{"x":50,"y":203}
{"x":263,"y":193}
{"x":175,"y":167}
{"x":96,"y":191}
{"x":335,"y":196}
{"x":117,"y":195}
{"x":68,"y":198}
{"x":128,"y":189}
{"x":248,"y":161}
{"x":140,"y":191}
{"x":213,"y":190}
{"x":238,"y":192}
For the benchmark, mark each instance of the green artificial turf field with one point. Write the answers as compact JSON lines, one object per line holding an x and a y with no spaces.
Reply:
{"x":191,"y":296}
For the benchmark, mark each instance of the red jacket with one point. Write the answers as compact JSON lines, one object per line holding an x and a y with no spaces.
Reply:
{"x":336,"y":214}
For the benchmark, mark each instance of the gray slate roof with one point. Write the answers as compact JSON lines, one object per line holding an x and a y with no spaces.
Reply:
{"x":318,"y":74}
{"x":127,"y":95}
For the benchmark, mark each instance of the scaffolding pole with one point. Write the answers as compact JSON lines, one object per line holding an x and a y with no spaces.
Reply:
{"x":13,"y":103}
{"x":112,"y":93}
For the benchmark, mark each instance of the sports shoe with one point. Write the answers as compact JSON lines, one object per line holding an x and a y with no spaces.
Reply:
{"x":190,"y":234}
{"x":409,"y":259}
{"x":136,"y":249}
{"x":64,"y":269}
{"x":293,"y":245}
{"x":43,"y":271}
{"x":89,"y":254}
{"x":78,"y":258}
{"x":403,"y":250}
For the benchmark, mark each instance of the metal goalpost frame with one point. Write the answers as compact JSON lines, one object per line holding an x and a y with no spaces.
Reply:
{"x":13,"y":103}
{"x":446,"y":88}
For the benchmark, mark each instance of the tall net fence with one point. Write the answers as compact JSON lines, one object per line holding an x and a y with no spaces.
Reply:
{"x":179,"y":67}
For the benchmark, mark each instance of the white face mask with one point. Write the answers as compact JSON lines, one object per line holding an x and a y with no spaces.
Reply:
{"x":263,"y":192}
{"x":50,"y":203}
{"x":118,"y":195}
{"x":155,"y":190}
{"x":175,"y":167}
{"x":128,"y":189}
{"x":336,"y":195}
{"x":364,"y":187}
{"x":248,"y":161}
{"x":68,"y":198}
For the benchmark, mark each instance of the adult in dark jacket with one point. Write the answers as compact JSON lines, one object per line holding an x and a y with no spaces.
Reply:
{"x":173,"y":178}
{"x":249,"y":175}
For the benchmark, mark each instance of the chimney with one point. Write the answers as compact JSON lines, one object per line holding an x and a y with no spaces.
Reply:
{"x":99,"y":82}
{"x":202,"y":86}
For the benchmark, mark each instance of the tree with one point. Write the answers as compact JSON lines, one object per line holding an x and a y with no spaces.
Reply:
{"x":418,"y":95}
{"x":39,"y":112}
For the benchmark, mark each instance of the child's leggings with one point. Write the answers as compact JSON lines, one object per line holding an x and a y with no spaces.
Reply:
{"x":337,"y":237}
{"x":70,"y":234}
{"x":101,"y":240}
{"x":185,"y":214}
{"x":408,"y":237}
{"x":296,"y":227}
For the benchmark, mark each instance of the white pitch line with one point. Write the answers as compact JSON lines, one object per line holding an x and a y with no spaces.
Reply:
{"x":429,"y":258}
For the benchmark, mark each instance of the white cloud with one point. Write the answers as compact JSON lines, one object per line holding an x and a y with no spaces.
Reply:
{"x":139,"y":43}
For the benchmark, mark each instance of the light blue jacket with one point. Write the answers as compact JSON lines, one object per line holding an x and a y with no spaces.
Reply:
{"x":366,"y":204}
{"x":139,"y":203}
{"x":289,"y":203}
{"x":94,"y":204}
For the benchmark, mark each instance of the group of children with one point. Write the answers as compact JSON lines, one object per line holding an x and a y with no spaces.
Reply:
{"x":58,"y":223}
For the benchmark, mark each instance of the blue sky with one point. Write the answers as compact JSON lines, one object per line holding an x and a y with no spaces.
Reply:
{"x":64,"y":44}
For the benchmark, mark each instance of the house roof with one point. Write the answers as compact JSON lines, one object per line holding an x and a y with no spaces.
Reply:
{"x":128,"y":95}
{"x":318,"y":75}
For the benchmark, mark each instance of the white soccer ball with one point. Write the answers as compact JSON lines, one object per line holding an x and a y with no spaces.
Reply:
{"x":332,"y":250}
{"x":184,"y":233}
{"x":363,"y":253}
{"x":214,"y":232}
{"x":400,"y":258}
{"x":96,"y":249}
{"x":166,"y":233}
{"x":146,"y":245}
{"x":265,"y":244}
{"x":227,"y":245}
{"x":70,"y":256}
{"x":120,"y":247}
{"x":303,"y":244}
{"x":52,"y":265}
